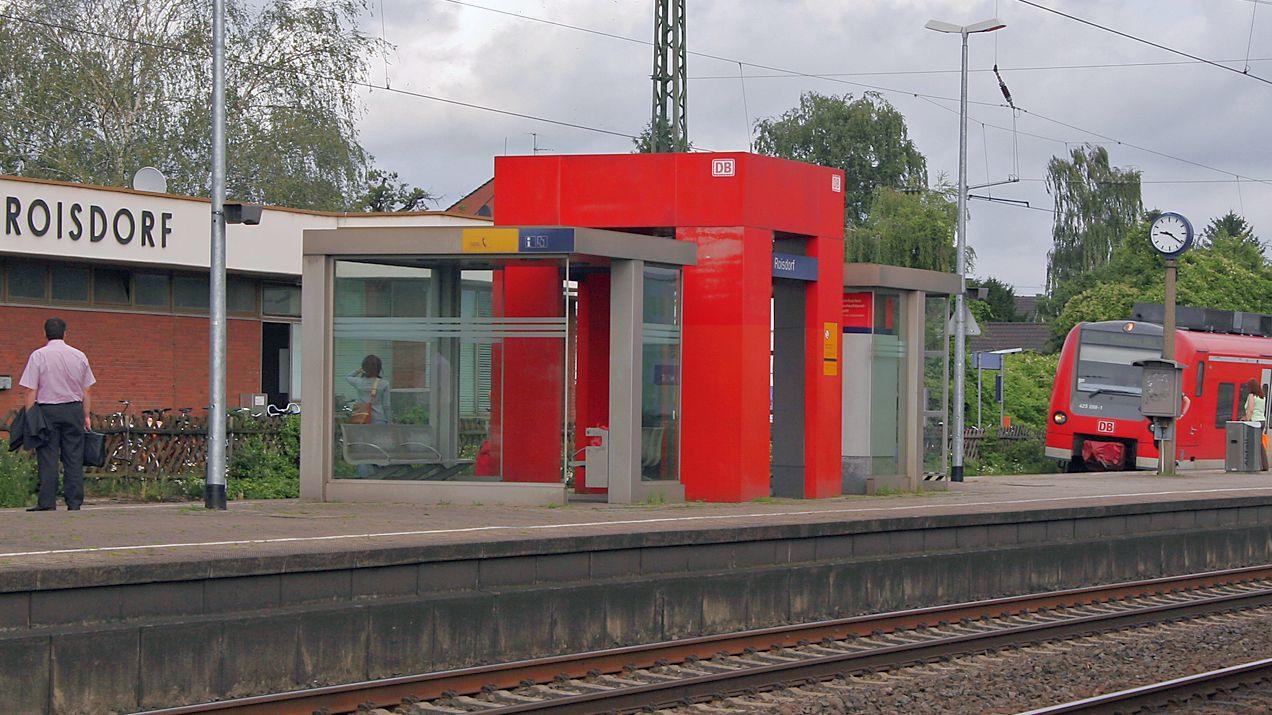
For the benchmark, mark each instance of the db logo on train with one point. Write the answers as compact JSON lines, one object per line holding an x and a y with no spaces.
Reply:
{"x":1105,"y":426}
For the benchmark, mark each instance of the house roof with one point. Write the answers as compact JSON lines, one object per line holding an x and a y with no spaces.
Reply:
{"x":1027,"y":307}
{"x":1004,"y":336}
{"x":479,"y":202}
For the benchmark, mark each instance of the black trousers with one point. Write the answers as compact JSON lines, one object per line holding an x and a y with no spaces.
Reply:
{"x":66,"y":443}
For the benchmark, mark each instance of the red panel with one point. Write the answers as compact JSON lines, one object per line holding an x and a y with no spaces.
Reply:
{"x":527,"y":190}
{"x":533,"y":379}
{"x":591,"y":388}
{"x":823,"y":378}
{"x":638,"y":191}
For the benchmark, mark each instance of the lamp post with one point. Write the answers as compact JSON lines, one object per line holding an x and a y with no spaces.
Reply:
{"x":960,"y":306}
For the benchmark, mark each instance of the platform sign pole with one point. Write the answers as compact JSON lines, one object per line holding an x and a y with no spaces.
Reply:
{"x":979,"y":422}
{"x":1166,"y":452}
{"x":214,"y":483}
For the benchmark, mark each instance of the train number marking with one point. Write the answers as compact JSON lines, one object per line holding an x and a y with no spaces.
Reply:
{"x":1106,"y":426}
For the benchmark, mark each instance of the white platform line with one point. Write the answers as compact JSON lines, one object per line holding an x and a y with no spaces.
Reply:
{"x":623,"y":522}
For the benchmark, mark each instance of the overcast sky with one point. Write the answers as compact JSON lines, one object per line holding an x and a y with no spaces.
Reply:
{"x":1192,"y":111}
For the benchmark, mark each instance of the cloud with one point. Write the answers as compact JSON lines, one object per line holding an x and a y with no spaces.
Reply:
{"x":1194,"y":112}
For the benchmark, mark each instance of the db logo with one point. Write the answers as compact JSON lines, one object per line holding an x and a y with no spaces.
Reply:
{"x":1105,"y":426}
{"x":723,"y":167}
{"x":837,"y":183}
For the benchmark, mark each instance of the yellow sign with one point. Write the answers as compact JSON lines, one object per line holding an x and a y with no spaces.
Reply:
{"x":830,"y":348}
{"x":489,"y":240}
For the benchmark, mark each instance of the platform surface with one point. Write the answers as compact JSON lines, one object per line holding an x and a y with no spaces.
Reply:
{"x":118,"y":535}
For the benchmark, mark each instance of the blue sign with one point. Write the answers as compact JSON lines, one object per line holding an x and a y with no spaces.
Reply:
{"x":988,"y":361}
{"x":545,"y":240}
{"x":790,"y":265}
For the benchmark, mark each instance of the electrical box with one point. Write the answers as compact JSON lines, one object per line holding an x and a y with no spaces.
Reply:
{"x":1160,"y":387}
{"x":6,"y":382}
{"x":596,"y":458}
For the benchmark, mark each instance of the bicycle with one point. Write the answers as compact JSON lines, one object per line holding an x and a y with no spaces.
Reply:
{"x":129,"y":452}
{"x":292,"y":408}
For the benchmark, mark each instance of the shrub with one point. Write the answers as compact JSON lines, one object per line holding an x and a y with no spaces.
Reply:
{"x":261,"y":470}
{"x":19,"y":480}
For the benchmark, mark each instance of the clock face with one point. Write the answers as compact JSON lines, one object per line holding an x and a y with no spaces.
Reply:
{"x":1171,"y":234}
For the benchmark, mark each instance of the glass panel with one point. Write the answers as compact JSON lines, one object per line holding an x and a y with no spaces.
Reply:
{"x":190,"y":292}
{"x":280,"y":299}
{"x":935,"y":384}
{"x":887,"y":375}
{"x":1225,"y":407}
{"x":240,"y":295}
{"x":151,"y":289}
{"x":112,"y":286}
{"x":69,"y":283}
{"x":449,"y":374}
{"x":660,"y":376}
{"x":27,"y":281}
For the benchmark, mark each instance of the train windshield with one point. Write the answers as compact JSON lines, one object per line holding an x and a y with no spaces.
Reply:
{"x":1106,"y":361}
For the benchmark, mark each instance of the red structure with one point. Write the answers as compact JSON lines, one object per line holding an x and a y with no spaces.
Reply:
{"x":734,"y":207}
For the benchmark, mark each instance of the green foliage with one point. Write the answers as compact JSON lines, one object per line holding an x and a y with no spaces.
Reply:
{"x":999,"y":306}
{"x":1226,"y":273}
{"x":260,"y":470}
{"x":657,"y":137}
{"x":386,"y":192}
{"x":1233,"y":230}
{"x":1012,"y":456}
{"x":866,"y":138}
{"x":906,"y":228}
{"x":19,"y":480}
{"x":1096,"y":206}
{"x":85,"y":106}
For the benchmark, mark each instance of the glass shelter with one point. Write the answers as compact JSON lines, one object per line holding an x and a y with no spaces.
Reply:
{"x":896,"y":377}
{"x":494,"y":365}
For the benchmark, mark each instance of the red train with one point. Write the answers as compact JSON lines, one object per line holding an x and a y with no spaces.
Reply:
{"x":1095,"y":420}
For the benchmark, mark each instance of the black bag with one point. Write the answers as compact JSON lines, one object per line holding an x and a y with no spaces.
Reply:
{"x":94,"y":449}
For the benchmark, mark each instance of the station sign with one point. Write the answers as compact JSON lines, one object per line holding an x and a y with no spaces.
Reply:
{"x":858,"y":312}
{"x":794,"y":266}
{"x":517,"y":240}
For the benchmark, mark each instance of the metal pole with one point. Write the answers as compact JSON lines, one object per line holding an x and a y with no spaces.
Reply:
{"x":960,"y":326}
{"x":979,"y":421}
{"x":214,"y":484}
{"x":1002,"y":398}
{"x":1166,"y":452}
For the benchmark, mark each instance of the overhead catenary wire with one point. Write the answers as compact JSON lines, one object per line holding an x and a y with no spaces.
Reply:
{"x":1150,"y":43}
{"x":986,"y":70}
{"x":315,"y":75}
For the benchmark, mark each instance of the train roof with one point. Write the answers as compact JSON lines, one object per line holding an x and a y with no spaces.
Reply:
{"x":1197,"y":340}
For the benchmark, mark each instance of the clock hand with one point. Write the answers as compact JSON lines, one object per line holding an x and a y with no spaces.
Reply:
{"x":1168,"y":233}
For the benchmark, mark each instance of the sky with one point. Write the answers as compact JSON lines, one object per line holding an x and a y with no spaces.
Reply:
{"x":1191,"y":128}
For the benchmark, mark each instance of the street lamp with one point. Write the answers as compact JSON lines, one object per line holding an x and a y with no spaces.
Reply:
{"x":960,"y":307}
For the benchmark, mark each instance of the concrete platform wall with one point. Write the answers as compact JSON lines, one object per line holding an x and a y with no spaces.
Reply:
{"x":109,"y":639}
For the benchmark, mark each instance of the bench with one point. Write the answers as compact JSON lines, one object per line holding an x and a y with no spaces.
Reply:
{"x":388,"y":445}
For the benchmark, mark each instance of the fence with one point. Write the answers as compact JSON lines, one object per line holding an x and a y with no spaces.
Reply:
{"x":143,"y":444}
{"x":973,"y":437}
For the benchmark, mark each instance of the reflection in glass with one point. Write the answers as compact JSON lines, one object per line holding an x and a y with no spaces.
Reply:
{"x":469,"y":368}
{"x":660,"y":375}
{"x":888,"y":385}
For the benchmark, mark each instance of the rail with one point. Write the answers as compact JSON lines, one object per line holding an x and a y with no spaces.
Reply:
{"x":1167,"y":692}
{"x":633,"y":678}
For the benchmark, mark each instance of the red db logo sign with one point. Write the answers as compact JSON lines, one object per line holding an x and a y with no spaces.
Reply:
{"x":1105,"y":426}
{"x":723,"y":167}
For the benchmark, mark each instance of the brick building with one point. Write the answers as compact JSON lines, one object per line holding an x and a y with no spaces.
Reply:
{"x":128,"y":272}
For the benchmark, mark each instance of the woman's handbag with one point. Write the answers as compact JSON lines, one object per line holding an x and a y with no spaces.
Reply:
{"x":362,"y":411}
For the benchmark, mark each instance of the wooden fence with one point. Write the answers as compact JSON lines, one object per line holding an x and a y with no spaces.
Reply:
{"x":973,"y":437}
{"x":174,"y":445}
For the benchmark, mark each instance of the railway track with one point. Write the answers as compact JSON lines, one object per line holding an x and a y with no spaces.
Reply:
{"x":1238,"y":687}
{"x":699,"y":669}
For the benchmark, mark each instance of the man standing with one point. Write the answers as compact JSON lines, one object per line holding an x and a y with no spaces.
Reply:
{"x":58,"y":378}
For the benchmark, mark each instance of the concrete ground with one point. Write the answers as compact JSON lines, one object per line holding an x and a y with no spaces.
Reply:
{"x":123,"y":534}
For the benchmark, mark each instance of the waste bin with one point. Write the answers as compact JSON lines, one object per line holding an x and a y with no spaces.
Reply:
{"x":1244,"y":440}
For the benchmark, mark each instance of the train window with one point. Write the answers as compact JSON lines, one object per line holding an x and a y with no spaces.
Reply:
{"x":1224,"y":404}
{"x":1201,"y":377}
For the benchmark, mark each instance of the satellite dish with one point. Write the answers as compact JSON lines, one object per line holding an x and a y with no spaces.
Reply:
{"x":148,"y":178}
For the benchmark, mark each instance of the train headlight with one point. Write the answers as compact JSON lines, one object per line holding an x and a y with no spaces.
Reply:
{"x":1059,"y":417}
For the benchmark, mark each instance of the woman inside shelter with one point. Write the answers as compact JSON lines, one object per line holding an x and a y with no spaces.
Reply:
{"x":371,"y":403}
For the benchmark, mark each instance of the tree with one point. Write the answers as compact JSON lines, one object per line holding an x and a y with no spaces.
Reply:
{"x":866,"y":138}
{"x":906,"y":228}
{"x":386,"y":192}
{"x":999,"y":301}
{"x":1096,"y":206}
{"x":1231,"y":229}
{"x":108,"y":86}
{"x":645,"y":142}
